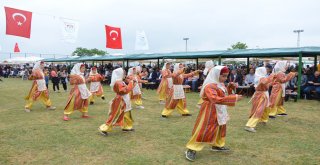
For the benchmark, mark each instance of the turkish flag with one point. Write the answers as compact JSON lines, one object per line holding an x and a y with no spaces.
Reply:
{"x":18,"y":22}
{"x":113,"y":35}
{"x":16,"y":48}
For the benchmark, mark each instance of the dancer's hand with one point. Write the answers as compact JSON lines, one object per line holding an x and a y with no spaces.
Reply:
{"x":240,"y":97}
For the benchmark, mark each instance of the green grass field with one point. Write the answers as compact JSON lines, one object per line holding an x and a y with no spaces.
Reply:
{"x":42,"y":137}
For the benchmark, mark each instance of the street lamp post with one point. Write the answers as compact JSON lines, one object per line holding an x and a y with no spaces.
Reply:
{"x":186,"y":39}
{"x":298,"y":31}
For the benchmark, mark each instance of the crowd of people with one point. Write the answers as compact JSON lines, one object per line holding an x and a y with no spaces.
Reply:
{"x":217,"y":84}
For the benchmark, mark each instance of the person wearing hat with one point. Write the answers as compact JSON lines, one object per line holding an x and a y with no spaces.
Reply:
{"x":165,"y":84}
{"x":260,"y":99}
{"x":210,"y":127}
{"x":120,"y":105}
{"x":79,"y":95}
{"x":39,"y":89}
{"x":95,"y":86}
{"x":176,"y":97}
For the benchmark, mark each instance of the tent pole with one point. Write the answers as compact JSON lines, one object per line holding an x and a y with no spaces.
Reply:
{"x":158,"y":63}
{"x":315,"y":62}
{"x":197,"y":61}
{"x":219,"y":60}
{"x":299,"y":74}
{"x":248,"y":69}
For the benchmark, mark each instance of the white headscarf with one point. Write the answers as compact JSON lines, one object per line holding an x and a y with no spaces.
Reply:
{"x":76,"y":69}
{"x":261,"y":72}
{"x":164,"y":66}
{"x":91,"y":73}
{"x":209,"y":65}
{"x":213,"y":77}
{"x":36,"y":66}
{"x":138,"y":69}
{"x":176,"y":67}
{"x":117,"y":75}
{"x":130,"y":71}
{"x":280,"y":67}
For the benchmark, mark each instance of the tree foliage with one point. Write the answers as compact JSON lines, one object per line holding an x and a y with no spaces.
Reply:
{"x":88,"y":52}
{"x":238,"y":45}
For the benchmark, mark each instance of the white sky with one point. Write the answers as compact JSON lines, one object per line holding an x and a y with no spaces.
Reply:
{"x":210,"y":24}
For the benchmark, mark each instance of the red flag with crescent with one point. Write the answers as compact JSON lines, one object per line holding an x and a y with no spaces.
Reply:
{"x":18,"y":22}
{"x":113,"y":35}
{"x":16,"y":48}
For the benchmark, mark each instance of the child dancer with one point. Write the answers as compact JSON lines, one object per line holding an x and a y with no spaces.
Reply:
{"x":260,"y":99}
{"x":79,"y":94}
{"x":120,"y":106}
{"x":166,"y":83}
{"x":95,"y":85}
{"x":210,"y":126}
{"x":136,"y":94}
{"x":176,"y":97}
{"x":38,"y":89}
{"x":278,"y":91}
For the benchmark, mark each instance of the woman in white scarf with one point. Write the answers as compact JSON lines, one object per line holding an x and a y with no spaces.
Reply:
{"x":176,"y":97}
{"x":260,"y":99}
{"x":38,"y":89}
{"x":79,"y":95}
{"x":136,"y":94}
{"x":208,"y":66}
{"x":120,"y":106}
{"x":278,"y":91}
{"x":210,"y":126}
{"x":165,"y":84}
{"x":95,"y":84}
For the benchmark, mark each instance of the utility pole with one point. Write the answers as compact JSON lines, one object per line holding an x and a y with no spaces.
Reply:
{"x":298,"y":40}
{"x":186,"y":39}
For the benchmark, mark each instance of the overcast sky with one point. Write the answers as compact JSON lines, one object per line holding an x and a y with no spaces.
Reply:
{"x":210,"y":24}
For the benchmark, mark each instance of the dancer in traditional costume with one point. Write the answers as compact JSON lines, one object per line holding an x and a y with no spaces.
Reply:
{"x":95,"y":86}
{"x":38,"y":89}
{"x":210,"y":126}
{"x":176,"y":97}
{"x":79,"y":93}
{"x":120,"y":106}
{"x":208,"y":66}
{"x":166,"y":83}
{"x":278,"y":91}
{"x":136,"y":94}
{"x":260,"y":99}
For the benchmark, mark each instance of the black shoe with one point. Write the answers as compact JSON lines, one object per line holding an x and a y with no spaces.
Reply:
{"x":186,"y":115}
{"x":282,"y":114}
{"x":272,"y":117}
{"x":164,"y":116}
{"x":127,"y":130}
{"x":190,"y":155}
{"x":91,"y":103}
{"x":220,"y":149}
{"x":102,"y":98}
{"x":103,"y":133}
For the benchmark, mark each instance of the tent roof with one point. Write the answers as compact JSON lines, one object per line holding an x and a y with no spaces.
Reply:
{"x":236,"y":53}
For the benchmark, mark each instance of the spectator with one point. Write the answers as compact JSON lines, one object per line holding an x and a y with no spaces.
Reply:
{"x":55,"y":79}
{"x":46,"y":76}
{"x":249,"y":80}
{"x":313,"y":84}
{"x":64,"y":79}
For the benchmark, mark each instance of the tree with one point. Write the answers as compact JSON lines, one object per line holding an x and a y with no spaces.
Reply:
{"x":238,"y":45}
{"x":88,"y":52}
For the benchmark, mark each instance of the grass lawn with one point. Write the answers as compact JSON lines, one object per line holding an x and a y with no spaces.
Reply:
{"x":42,"y":137}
